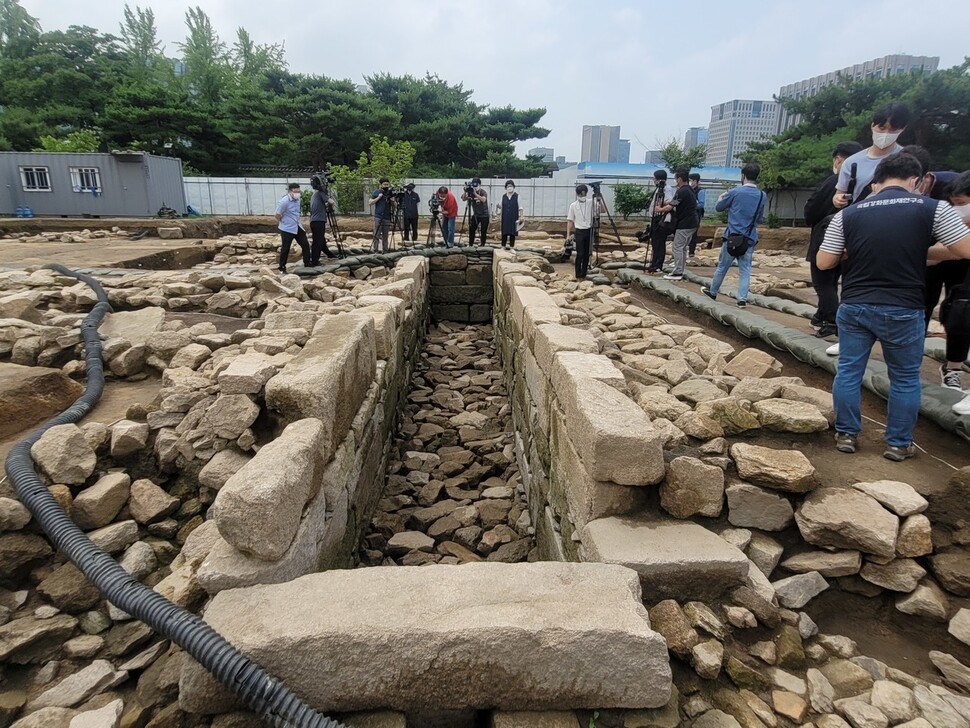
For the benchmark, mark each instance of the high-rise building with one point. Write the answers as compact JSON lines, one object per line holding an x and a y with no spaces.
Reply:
{"x":623,"y":154}
{"x":548,"y":154}
{"x":600,"y":144}
{"x":652,"y":156}
{"x":877,"y":68}
{"x":694,"y":137}
{"x":560,"y":160}
{"x":734,"y":125}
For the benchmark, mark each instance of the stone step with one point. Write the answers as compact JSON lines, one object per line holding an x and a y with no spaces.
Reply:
{"x":674,"y":559}
{"x":535,"y":636}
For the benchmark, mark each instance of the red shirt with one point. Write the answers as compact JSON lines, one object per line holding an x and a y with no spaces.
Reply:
{"x":449,"y":206}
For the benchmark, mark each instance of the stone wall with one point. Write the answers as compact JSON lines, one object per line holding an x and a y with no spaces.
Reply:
{"x":301,"y":503}
{"x":585,"y":449}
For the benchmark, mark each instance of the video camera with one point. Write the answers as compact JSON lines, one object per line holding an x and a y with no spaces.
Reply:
{"x":595,"y":186}
{"x":643,"y":236}
{"x":322,"y":180}
{"x":434,"y":204}
{"x":470,"y":189}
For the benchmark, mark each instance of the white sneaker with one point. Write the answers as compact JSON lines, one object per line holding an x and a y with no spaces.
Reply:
{"x":673,"y":277}
{"x":833,"y":350}
{"x":962,"y":407}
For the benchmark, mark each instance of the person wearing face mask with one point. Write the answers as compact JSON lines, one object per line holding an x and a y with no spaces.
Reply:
{"x":288,"y":223}
{"x":884,"y":244}
{"x":887,"y":124}
{"x":449,"y":215}
{"x":579,"y":227}
{"x":479,"y":217}
{"x":818,"y":213}
{"x":383,"y":206}
{"x":409,"y":204}
{"x":511,"y":213}
{"x":957,"y":326}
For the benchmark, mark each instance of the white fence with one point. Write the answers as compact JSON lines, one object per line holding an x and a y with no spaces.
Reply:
{"x":540,"y":197}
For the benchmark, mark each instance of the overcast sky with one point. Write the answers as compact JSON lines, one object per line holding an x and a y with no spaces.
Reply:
{"x":653,"y":69}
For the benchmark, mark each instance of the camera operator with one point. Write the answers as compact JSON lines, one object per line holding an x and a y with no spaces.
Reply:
{"x":701,"y":196}
{"x":288,"y":219}
{"x":661,"y":223}
{"x":579,"y":227}
{"x":320,"y":205}
{"x":480,"y":215}
{"x":409,"y":204}
{"x":449,"y":215}
{"x":382,"y":201}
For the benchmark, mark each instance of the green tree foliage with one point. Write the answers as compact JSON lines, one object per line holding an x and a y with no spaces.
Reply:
{"x":385,"y":159}
{"x":18,"y":28}
{"x":674,"y":156}
{"x":84,"y":140}
{"x":220,"y":108}
{"x":630,"y":199}
{"x":802,"y":155}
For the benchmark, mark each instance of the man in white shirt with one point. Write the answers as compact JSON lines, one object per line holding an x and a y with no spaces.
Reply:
{"x":888,"y":123}
{"x":579,"y":227}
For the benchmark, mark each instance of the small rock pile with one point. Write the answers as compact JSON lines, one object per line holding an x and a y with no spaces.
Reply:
{"x":453,"y":494}
{"x":76,"y":236}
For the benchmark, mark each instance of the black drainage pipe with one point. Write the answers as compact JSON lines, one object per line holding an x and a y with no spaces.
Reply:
{"x":266,"y":696}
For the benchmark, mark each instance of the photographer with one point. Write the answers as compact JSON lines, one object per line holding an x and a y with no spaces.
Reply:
{"x":661,"y":224}
{"x":701,"y":195}
{"x":480,"y":217}
{"x":409,"y":205}
{"x":579,"y":227}
{"x":383,"y":203}
{"x":449,"y":215}
{"x":288,"y":217}
{"x":320,"y":205}
{"x":685,"y":223}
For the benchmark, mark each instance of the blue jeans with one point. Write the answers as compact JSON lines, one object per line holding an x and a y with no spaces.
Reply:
{"x":725,"y":261}
{"x":448,"y":231}
{"x":900,"y":331}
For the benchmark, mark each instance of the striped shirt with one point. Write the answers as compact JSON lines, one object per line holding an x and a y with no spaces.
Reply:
{"x":885,"y":239}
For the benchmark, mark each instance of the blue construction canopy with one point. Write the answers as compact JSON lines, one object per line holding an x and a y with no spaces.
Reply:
{"x":616,"y":170}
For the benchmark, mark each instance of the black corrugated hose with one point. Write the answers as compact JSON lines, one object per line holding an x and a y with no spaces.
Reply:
{"x":266,"y":696}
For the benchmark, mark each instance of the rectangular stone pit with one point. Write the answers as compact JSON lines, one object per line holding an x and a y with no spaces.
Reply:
{"x":501,"y":636}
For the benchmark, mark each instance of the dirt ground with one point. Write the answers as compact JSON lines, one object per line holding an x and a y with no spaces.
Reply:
{"x":147,"y":253}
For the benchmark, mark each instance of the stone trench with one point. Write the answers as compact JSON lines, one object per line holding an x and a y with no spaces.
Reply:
{"x":453,"y":494}
{"x":693,"y":548}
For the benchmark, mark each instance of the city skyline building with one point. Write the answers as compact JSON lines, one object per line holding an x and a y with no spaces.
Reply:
{"x":734,"y":125}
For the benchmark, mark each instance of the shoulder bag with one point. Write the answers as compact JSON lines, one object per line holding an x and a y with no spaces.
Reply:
{"x":738,"y":244}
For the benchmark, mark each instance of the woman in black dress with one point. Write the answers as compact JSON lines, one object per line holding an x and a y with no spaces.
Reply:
{"x":511,"y":214}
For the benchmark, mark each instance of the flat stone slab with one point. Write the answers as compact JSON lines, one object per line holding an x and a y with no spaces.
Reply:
{"x":502,"y":636}
{"x":675,"y":559}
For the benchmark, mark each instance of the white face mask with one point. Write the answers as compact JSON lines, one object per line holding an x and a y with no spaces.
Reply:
{"x":581,"y":198}
{"x":510,"y":190}
{"x":885,"y":139}
{"x":294,"y":195}
{"x":964,"y":212}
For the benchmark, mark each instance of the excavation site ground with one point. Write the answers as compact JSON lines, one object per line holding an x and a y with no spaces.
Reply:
{"x":457,"y":488}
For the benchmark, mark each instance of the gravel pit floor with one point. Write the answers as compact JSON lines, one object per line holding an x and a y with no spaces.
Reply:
{"x":453,"y":492}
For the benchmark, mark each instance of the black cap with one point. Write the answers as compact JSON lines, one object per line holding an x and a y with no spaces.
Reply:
{"x":409,"y":186}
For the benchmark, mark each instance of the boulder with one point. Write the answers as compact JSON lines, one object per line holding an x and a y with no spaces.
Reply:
{"x":752,"y":507}
{"x":797,"y":591}
{"x":675,"y":559}
{"x":69,"y":590}
{"x":698,"y":426}
{"x":668,"y":619}
{"x":64,"y":455}
{"x":753,"y":363}
{"x":915,"y":537}
{"x":258,"y":510}
{"x":97,"y":506}
{"x":230,"y":415}
{"x":786,"y":470}
{"x":697,"y":390}
{"x":926,"y":600}
{"x":105,"y":717}
{"x":246,"y":374}
{"x":953,"y":670}
{"x":960,"y":626}
{"x":658,"y":403}
{"x":29,"y":395}
{"x":30,"y":640}
{"x":136,"y":326}
{"x":20,"y":549}
{"x":128,"y":438}
{"x":73,"y":690}
{"x":149,"y":503}
{"x":785,"y":415}
{"x":952,"y":569}
{"x":765,"y":552}
{"x":901,"y":575}
{"x":222,"y":466}
{"x":901,"y":498}
{"x":896,"y":701}
{"x":730,"y":414}
{"x":818,"y":397}
{"x":488,"y":631}
{"x":849,"y":519}
{"x":13,"y":515}
{"x":170,"y":233}
{"x":692,"y":488}
{"x":826,"y":563}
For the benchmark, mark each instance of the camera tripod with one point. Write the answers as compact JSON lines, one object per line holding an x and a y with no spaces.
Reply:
{"x":435,"y":224}
{"x":595,"y":233}
{"x":466,"y":219}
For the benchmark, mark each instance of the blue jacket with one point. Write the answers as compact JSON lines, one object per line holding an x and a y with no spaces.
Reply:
{"x":743,"y":203}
